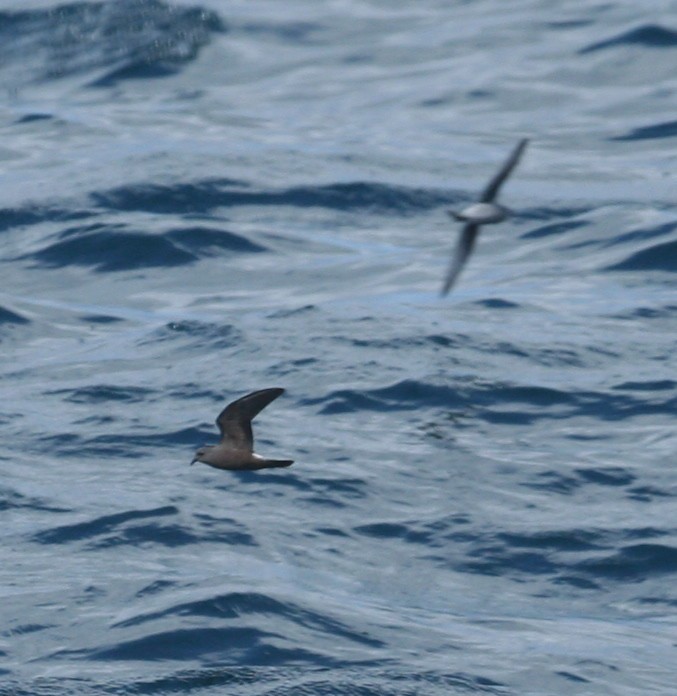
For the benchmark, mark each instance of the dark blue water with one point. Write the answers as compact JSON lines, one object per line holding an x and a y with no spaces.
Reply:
{"x":201,"y":201}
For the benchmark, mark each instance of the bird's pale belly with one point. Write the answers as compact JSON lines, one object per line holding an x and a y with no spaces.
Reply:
{"x":482,"y":213}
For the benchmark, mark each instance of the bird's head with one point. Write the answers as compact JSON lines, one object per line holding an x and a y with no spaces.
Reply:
{"x":455,"y":215}
{"x":200,"y":454}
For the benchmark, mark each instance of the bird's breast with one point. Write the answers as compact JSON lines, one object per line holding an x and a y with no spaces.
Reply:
{"x":227,"y":458}
{"x":482,"y":213}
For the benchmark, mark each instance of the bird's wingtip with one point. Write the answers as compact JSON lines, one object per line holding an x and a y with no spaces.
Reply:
{"x":521,"y":145}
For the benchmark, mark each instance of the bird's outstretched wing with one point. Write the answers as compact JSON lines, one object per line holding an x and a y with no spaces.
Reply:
{"x":234,"y":421}
{"x":491,"y":191}
{"x":463,"y":250}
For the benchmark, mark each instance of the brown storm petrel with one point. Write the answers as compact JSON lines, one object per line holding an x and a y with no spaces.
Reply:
{"x":484,"y":212}
{"x":236,"y":449}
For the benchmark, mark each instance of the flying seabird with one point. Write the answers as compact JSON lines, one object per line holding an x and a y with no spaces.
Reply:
{"x":236,"y":449}
{"x":484,"y":212}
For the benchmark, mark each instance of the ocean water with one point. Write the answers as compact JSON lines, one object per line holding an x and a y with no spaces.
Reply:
{"x":201,"y":200}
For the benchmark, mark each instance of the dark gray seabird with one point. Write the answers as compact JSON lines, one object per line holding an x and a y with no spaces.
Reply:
{"x":485,"y":212}
{"x":236,"y":449}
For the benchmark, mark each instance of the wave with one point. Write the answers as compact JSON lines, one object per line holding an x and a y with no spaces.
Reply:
{"x":354,"y":678}
{"x":657,"y":131}
{"x":123,"y":445}
{"x":210,"y":336}
{"x":250,"y":646}
{"x":649,"y":312}
{"x":497,"y":402}
{"x":110,"y":248}
{"x":100,"y":319}
{"x":633,"y":562}
{"x":205,"y":241}
{"x":403,"y":395}
{"x":234,"y":605}
{"x":139,"y":527}
{"x":36,"y":214}
{"x":228,"y":631}
{"x":7,"y":316}
{"x":110,"y":41}
{"x":103,"y":393}
{"x":106,"y":249}
{"x":583,"y":558}
{"x":103,"y":524}
{"x":11,"y":500}
{"x":659,"y":257}
{"x":576,"y":479}
{"x":554,"y":229}
{"x":113,"y":246}
{"x":648,"y":35}
{"x":204,"y":196}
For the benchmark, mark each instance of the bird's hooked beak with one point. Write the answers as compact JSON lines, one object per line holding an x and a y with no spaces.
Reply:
{"x":199,"y":453}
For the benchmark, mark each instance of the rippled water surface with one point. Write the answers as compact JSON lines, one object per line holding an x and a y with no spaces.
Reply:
{"x":197,"y":201}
